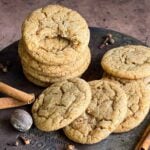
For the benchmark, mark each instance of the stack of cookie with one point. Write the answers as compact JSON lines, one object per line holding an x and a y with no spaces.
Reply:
{"x":130,"y":67}
{"x":54,"y":45}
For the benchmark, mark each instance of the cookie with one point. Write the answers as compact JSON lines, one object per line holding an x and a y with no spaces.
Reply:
{"x":129,"y":62}
{"x":51,"y":70}
{"x":51,"y":79}
{"x":60,"y":104}
{"x":55,"y":35}
{"x":36,"y":81}
{"x":138,"y":102}
{"x":106,"y":111}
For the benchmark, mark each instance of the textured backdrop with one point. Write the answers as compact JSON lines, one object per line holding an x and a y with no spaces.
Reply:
{"x":126,"y":16}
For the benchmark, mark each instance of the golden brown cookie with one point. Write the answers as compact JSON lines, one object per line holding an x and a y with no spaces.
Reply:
{"x":129,"y":62}
{"x":60,"y":104}
{"x":55,"y":35}
{"x":138,"y":102}
{"x":51,"y":70}
{"x":106,"y":111}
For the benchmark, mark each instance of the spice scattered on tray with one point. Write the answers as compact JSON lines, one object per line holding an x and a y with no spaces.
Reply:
{"x":108,"y":39}
{"x":3,"y":68}
{"x":25,"y":140}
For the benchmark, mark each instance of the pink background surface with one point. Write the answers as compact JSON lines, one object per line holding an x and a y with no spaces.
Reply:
{"x":131,"y":17}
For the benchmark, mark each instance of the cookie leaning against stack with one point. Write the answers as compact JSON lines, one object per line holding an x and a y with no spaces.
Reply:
{"x":61,"y":103}
{"x":54,"y":45}
{"x":125,"y":64}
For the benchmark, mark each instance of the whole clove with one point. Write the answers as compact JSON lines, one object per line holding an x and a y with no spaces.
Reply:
{"x":25,"y":140}
{"x":108,"y":39}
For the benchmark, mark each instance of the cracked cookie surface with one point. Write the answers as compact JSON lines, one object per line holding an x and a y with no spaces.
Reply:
{"x":55,"y":34}
{"x":129,"y":62}
{"x":60,"y":104}
{"x":138,"y":102}
{"x":52,"y":70}
{"x":106,"y":111}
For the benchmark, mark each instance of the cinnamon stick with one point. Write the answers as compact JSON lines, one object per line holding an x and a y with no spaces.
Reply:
{"x":15,"y":93}
{"x":144,"y":143}
{"x":8,"y":102}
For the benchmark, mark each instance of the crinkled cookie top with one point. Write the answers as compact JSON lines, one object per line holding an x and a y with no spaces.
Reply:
{"x":55,"y":34}
{"x":61,"y":103}
{"x":130,"y":62}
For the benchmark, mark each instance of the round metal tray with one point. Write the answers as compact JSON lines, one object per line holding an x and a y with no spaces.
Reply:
{"x":57,"y":140}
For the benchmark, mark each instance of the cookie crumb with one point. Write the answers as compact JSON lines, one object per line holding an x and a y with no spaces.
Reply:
{"x":70,"y":147}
